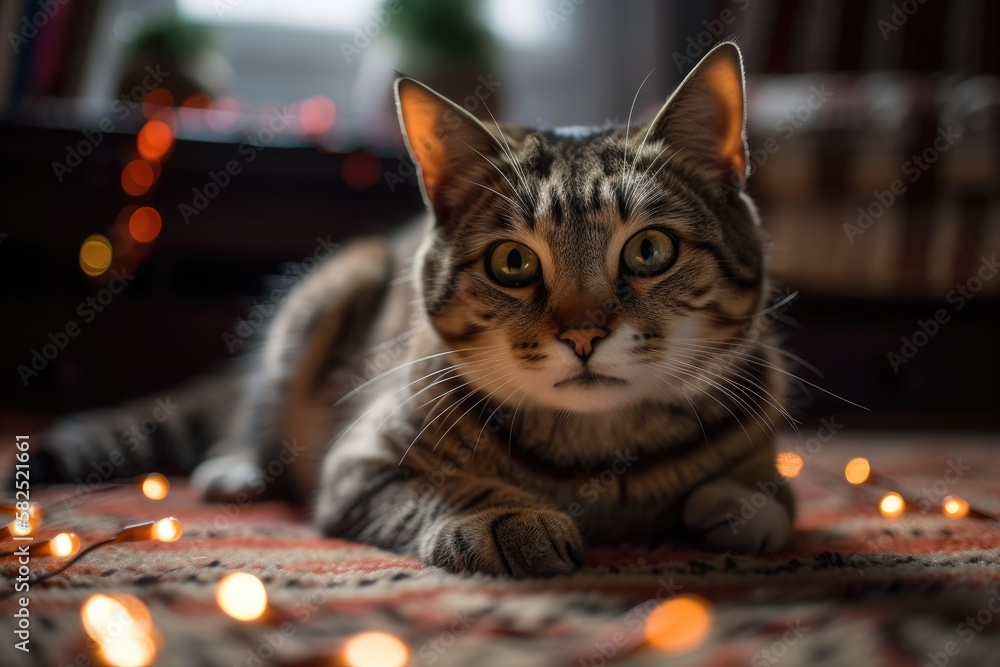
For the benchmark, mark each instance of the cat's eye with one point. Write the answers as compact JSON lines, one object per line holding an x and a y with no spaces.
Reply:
{"x":649,"y":252}
{"x":512,"y":264}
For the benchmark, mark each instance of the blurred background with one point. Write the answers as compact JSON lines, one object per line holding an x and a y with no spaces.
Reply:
{"x":162,"y":157}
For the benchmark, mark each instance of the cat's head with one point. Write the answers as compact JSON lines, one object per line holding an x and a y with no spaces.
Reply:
{"x":585,"y":269}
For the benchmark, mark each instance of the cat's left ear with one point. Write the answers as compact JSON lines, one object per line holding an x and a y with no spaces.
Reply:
{"x":706,"y":115}
{"x":446,"y":142}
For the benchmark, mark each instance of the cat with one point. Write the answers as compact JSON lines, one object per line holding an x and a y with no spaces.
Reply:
{"x":557,"y":357}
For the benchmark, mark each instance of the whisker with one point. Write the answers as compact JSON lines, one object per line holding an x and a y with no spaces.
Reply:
{"x":754,"y":360}
{"x":628,"y":123}
{"x":362,"y":386}
{"x":750,"y":409}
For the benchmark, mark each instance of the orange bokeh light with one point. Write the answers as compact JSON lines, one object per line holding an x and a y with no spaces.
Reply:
{"x":241,"y":596}
{"x":955,"y":507}
{"x":137,"y":177}
{"x":155,"y":100}
{"x":892,"y":505}
{"x":144,"y":224}
{"x":316,"y":114}
{"x":155,"y":140}
{"x":789,"y":464}
{"x":679,"y":625}
{"x":858,"y":470}
{"x":375,"y":649}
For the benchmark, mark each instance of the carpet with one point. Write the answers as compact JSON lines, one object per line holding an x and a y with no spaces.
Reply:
{"x":856,"y":589}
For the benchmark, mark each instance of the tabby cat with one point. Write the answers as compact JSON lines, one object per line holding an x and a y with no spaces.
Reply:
{"x":568,"y":352}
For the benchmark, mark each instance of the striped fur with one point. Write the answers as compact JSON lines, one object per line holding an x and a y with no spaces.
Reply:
{"x":507,"y":435}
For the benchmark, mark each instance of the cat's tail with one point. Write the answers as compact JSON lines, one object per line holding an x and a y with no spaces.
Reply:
{"x":169,"y":432}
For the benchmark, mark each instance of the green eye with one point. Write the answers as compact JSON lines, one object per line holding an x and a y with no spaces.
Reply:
{"x":649,"y":252}
{"x":512,"y":264}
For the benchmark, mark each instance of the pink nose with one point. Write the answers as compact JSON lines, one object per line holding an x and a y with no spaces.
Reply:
{"x":582,"y":339}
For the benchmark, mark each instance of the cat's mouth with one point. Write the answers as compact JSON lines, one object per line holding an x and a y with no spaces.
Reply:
{"x":588,"y":379}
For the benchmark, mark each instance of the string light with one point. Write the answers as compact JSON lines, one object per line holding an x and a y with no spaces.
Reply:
{"x":241,"y":596}
{"x":892,"y":505}
{"x":95,"y":255}
{"x":955,"y":507}
{"x":122,"y":627}
{"x":144,"y":224}
{"x":137,"y":177}
{"x":789,"y":464}
{"x":62,"y":545}
{"x":858,"y":470}
{"x":154,"y":140}
{"x":167,"y":530}
{"x":679,"y":625}
{"x":155,"y":486}
{"x":375,"y":649}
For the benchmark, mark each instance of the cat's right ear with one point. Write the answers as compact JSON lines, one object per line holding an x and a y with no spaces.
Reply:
{"x":444,"y":140}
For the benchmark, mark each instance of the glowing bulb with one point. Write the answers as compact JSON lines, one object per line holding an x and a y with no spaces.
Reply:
{"x":95,"y":255}
{"x":122,"y":627}
{"x":108,"y":618}
{"x":167,"y":530}
{"x":62,"y":545}
{"x":129,"y":651}
{"x":955,"y":507}
{"x":316,"y":114}
{"x":858,"y":470}
{"x":154,"y":140}
{"x":679,"y":625}
{"x":241,"y":596}
{"x":155,"y":486}
{"x":789,"y":464}
{"x":137,"y":177}
{"x":375,"y":649}
{"x":892,"y":505}
{"x":144,"y":224}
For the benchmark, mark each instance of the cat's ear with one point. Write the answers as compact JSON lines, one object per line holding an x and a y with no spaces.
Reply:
{"x":706,"y":115}
{"x":444,"y":141}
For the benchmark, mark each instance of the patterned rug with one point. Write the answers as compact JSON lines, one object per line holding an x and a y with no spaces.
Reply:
{"x":857,"y":589}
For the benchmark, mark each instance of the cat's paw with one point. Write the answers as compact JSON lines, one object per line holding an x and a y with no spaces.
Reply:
{"x":517,"y":542}
{"x":228,"y":478}
{"x":717,"y":511}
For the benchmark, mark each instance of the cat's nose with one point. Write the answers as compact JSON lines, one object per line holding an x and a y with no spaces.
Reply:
{"x":582,"y":339}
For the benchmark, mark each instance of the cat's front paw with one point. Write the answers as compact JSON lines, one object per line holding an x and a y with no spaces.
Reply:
{"x":717,"y":511}
{"x":228,"y":478}
{"x":517,"y":542}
